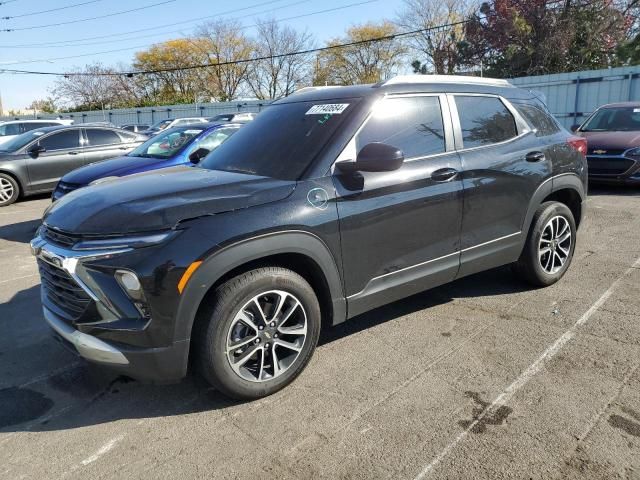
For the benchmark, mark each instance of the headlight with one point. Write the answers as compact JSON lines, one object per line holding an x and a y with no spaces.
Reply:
{"x":134,"y":241}
{"x":634,"y":152}
{"x":102,"y":180}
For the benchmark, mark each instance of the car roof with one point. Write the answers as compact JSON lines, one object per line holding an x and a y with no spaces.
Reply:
{"x":411,"y":84}
{"x":621,"y":104}
{"x":39,"y":120}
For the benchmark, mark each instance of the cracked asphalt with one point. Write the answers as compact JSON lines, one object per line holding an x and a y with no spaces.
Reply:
{"x":483,"y":378}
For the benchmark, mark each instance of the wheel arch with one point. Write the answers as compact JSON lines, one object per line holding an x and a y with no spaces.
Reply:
{"x":302,"y":252}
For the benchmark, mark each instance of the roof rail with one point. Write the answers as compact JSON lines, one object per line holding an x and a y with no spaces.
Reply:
{"x":311,"y":89}
{"x":447,"y":79}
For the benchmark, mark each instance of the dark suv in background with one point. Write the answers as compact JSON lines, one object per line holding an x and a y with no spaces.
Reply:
{"x":332,"y":202}
{"x":613,"y":134}
{"x":34,"y":161}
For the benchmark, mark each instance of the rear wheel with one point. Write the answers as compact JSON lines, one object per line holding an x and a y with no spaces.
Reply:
{"x":259,"y":332}
{"x":550,"y":245}
{"x":9,"y":190}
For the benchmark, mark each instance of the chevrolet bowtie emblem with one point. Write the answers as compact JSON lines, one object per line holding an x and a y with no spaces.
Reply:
{"x":599,"y":152}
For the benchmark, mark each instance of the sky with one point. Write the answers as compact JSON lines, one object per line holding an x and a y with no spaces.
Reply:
{"x":35,"y":44}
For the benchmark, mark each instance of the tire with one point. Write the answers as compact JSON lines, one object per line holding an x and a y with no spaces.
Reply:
{"x":545,"y":259}
{"x":9,"y":190}
{"x":232,"y":322}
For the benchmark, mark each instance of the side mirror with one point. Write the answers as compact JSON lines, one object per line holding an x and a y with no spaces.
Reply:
{"x":198,"y":155}
{"x":574,"y":128}
{"x":36,"y":150}
{"x":374,"y":157}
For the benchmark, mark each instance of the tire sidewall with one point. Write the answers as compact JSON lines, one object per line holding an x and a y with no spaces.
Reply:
{"x":547,"y":213}
{"x":222,"y":319}
{"x":16,"y":190}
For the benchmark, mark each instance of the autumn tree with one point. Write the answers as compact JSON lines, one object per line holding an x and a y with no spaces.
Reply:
{"x":87,"y":88}
{"x":45,"y":105}
{"x":280,"y":74}
{"x":366,"y":62}
{"x":436,"y":46}
{"x":223,"y":43}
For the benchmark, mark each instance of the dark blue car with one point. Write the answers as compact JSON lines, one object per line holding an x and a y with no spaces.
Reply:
{"x":184,"y":145}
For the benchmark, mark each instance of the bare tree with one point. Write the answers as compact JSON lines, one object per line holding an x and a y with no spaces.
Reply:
{"x":437,"y":46}
{"x":92,"y":89}
{"x":221,"y":42}
{"x":279,"y":77}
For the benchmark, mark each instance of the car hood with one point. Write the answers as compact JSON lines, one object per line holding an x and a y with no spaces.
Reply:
{"x":110,"y":168}
{"x":612,"y":140}
{"x":160,"y":199}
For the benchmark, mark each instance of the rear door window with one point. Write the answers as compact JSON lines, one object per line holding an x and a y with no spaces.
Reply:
{"x":97,"y":137}
{"x":61,"y":140}
{"x":484,"y":121}
{"x":412,"y":124}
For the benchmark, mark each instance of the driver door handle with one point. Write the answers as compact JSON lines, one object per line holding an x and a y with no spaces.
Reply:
{"x":73,"y":153}
{"x":444,"y":174}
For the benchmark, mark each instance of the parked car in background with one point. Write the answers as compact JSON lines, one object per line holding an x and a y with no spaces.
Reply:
{"x":332,"y":202}
{"x":233,"y":117}
{"x":13,"y":128}
{"x":34,"y":161}
{"x":172,"y":147}
{"x":135,"y":127}
{"x":613,"y":136}
{"x":172,"y":122}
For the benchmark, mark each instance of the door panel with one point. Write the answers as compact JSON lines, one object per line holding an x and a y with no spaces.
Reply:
{"x":63,"y":154}
{"x":499,"y":181}
{"x":400,"y":230}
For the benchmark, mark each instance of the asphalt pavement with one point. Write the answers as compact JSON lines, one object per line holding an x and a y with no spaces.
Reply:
{"x":483,"y":378}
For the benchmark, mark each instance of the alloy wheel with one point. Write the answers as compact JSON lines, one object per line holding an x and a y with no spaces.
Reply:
{"x":6,"y":190}
{"x":554,"y":247}
{"x":266,"y":336}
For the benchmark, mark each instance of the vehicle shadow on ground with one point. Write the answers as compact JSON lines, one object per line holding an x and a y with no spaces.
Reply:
{"x":21,"y":232}
{"x":83,"y":395}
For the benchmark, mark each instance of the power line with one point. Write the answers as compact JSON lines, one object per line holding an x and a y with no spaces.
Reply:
{"x":198,"y":19}
{"x":34,"y":27}
{"x":30,"y":14}
{"x":148,"y":45}
{"x":246,"y":60}
{"x":7,"y":1}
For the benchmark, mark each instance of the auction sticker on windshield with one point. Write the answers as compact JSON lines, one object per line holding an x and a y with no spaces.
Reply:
{"x":192,"y":132}
{"x":329,"y":108}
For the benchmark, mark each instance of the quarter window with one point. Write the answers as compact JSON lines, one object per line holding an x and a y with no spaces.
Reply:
{"x":61,"y":140}
{"x":10,"y":129}
{"x":542,"y":121}
{"x":102,"y":137}
{"x":412,"y":124}
{"x":484,"y":120}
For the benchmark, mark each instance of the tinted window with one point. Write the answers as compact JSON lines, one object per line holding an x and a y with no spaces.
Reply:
{"x":542,"y":121}
{"x":27,"y":127}
{"x":61,"y":140}
{"x":614,"y":119}
{"x":484,"y":120}
{"x":215,"y":138}
{"x":131,"y":128}
{"x":283,"y":140}
{"x":102,"y":137}
{"x":10,"y":129}
{"x":412,"y":124}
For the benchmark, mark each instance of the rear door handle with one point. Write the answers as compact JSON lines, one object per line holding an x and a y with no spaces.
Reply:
{"x":73,"y":153}
{"x":444,"y":174}
{"x":535,"y":157}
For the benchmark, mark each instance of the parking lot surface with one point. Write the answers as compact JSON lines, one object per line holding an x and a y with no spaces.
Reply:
{"x":483,"y":378}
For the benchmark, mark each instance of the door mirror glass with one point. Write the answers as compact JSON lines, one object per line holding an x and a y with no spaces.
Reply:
{"x":36,"y":150}
{"x":198,"y":155}
{"x":374,"y":157}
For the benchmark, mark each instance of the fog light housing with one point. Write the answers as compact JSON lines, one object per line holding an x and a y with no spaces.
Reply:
{"x":130,"y":283}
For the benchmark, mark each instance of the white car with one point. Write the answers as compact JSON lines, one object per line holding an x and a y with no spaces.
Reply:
{"x":13,"y":128}
{"x":172,"y":122}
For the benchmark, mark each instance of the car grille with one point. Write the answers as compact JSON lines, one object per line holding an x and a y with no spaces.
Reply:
{"x":67,"y":187}
{"x":58,"y":237}
{"x":609,"y":165}
{"x":62,"y":290}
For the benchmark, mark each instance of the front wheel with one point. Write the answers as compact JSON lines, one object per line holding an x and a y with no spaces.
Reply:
{"x":259,"y":332}
{"x":9,"y":190}
{"x":549,"y":248}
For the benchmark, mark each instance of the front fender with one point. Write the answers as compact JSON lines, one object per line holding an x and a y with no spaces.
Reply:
{"x":223,"y":261}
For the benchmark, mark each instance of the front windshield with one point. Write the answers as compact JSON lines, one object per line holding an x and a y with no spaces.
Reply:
{"x":20,"y":141}
{"x":160,"y":125}
{"x":618,"y":119}
{"x":282,"y":141}
{"x":168,"y":143}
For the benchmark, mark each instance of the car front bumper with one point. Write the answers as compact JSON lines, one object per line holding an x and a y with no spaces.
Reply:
{"x":614,"y":169}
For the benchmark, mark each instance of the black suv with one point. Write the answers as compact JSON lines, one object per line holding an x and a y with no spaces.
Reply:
{"x":332,"y":202}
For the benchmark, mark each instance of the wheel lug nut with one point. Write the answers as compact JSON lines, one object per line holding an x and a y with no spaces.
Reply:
{"x":266,"y":345}
{"x":273,"y":324}
{"x":257,"y":340}
{"x":275,"y":335}
{"x":261,"y":327}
